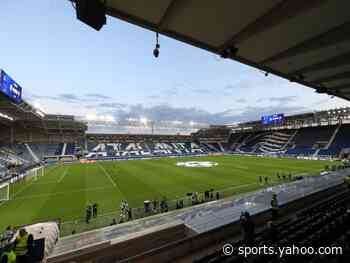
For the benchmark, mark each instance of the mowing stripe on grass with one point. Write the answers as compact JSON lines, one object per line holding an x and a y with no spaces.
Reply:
{"x":20,"y":191}
{"x":63,"y":193}
{"x":107,"y":174}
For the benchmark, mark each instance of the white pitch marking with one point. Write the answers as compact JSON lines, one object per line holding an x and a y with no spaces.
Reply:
{"x":108,"y":175}
{"x":62,"y":177}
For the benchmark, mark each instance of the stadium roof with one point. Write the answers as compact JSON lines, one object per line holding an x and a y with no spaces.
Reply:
{"x":22,"y":111}
{"x":304,"y":41}
{"x":28,"y":116}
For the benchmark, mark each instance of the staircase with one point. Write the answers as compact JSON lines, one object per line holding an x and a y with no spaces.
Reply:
{"x":147,"y":147}
{"x":64,"y":149}
{"x":290,"y":139}
{"x":333,"y":137}
{"x":220,"y":146}
{"x":36,"y":159}
{"x":210,"y":147}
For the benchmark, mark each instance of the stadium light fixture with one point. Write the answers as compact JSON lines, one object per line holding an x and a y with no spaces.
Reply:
{"x":91,"y":117}
{"x":143,"y":120}
{"x":109,"y":118}
{"x":156,"y":50}
{"x":2,"y":115}
{"x":40,"y":113}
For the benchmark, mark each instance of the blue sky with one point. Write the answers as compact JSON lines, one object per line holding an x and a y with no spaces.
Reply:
{"x":69,"y":68}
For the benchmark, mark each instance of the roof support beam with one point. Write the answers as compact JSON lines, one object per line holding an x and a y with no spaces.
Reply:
{"x":278,"y":14}
{"x":331,"y":37}
{"x":154,"y":27}
{"x":342,"y":75}
{"x":341,"y":60}
{"x":341,"y":87}
{"x":168,"y":13}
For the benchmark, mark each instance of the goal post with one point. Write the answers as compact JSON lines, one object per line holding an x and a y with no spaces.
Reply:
{"x":4,"y":192}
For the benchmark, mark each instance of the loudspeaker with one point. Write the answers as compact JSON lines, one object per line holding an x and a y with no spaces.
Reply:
{"x":91,"y":12}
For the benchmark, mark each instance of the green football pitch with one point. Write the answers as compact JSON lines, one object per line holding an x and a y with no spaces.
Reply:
{"x":65,"y":190}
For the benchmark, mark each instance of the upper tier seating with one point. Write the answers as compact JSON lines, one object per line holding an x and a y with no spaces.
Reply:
{"x":342,"y":139}
{"x":307,"y":137}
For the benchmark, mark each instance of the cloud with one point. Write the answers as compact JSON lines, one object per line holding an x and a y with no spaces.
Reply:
{"x":282,"y":100}
{"x":242,"y":84}
{"x":241,"y":100}
{"x":164,"y":112}
{"x":252,"y":113}
{"x":154,"y":97}
{"x":172,"y":92}
{"x":97,"y":96}
{"x":202,"y":91}
{"x":111,"y":105}
{"x":64,"y":97}
{"x":68,"y":97}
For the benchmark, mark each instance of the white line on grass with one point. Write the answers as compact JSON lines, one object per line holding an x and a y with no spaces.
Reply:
{"x":62,"y":177}
{"x":52,"y":182}
{"x":20,"y":191}
{"x":108,"y":175}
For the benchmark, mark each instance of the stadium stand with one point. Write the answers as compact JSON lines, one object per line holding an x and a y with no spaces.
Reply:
{"x":127,"y":146}
{"x":326,"y":223}
{"x":56,"y":137}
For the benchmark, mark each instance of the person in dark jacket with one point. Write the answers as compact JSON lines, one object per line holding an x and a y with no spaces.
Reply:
{"x":248,"y":229}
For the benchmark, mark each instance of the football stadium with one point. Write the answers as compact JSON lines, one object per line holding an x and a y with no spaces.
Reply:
{"x":114,"y":187}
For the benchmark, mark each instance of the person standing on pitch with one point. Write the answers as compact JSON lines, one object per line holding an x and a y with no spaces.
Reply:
{"x":88,"y":214}
{"x":94,"y":210}
{"x":266,"y":180}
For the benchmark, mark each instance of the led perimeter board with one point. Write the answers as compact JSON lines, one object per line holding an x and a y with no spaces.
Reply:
{"x":10,"y":88}
{"x":272,"y":119}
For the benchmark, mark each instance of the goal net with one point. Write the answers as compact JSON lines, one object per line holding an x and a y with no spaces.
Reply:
{"x":4,"y":192}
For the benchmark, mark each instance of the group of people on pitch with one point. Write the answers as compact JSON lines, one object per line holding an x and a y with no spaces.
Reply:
{"x":90,"y":212}
{"x":279,"y":177}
